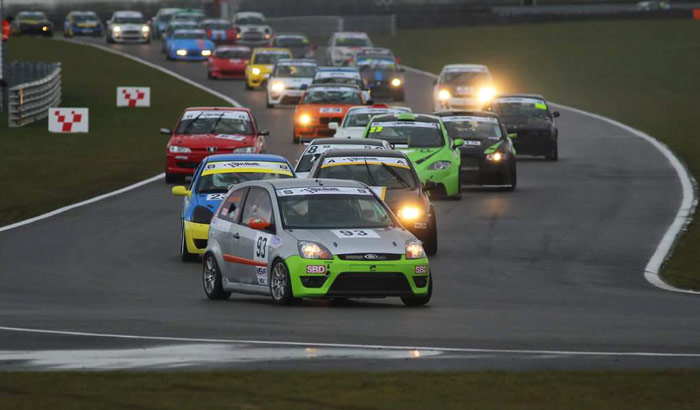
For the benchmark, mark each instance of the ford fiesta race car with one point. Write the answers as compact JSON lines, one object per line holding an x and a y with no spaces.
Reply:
{"x":228,"y":62}
{"x":341,"y":76}
{"x":301,"y":238}
{"x":356,"y":119}
{"x":392,"y":177}
{"x":424,"y":139}
{"x":321,"y":145}
{"x":252,"y":28}
{"x":262,"y":63}
{"x":530,"y":124}
{"x":210,"y":183}
{"x":321,"y":105}
{"x":288,"y":81}
{"x":32,"y":22}
{"x":191,"y":45}
{"x":488,"y":156}
{"x":204,"y":131}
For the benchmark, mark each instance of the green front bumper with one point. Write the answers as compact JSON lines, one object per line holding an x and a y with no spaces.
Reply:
{"x":448,"y":178}
{"x":343,"y":278}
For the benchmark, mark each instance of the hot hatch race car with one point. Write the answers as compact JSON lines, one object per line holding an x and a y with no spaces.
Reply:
{"x":288,"y":81}
{"x":252,"y":28}
{"x":32,"y":22}
{"x":488,"y":156}
{"x":392,"y":177}
{"x":262,"y":63}
{"x":219,"y":31}
{"x":299,"y":44}
{"x":343,"y":45}
{"x":128,"y":27}
{"x":356,"y":119}
{"x":463,"y":87}
{"x":161,"y":20}
{"x":303,"y":238}
{"x":321,"y":105}
{"x":320,"y":145}
{"x":204,"y":131}
{"x":82,"y":23}
{"x":210,"y":184}
{"x":228,"y":62}
{"x":530,"y":124}
{"x":176,"y":26}
{"x":425,"y":140}
{"x":381,"y":75}
{"x":341,"y":75}
{"x":190,"y":45}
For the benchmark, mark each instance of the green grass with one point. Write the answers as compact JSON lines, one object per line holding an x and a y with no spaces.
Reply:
{"x":42,"y":171}
{"x":643,"y":73}
{"x":633,"y":390}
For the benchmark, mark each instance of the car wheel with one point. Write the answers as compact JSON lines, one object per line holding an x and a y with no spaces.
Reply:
{"x":458,"y":195}
{"x":430,"y":240}
{"x":413,"y":301}
{"x":184,"y":253}
{"x":280,"y":285}
{"x":211,"y":279}
{"x":267,"y":101}
{"x":554,"y":154}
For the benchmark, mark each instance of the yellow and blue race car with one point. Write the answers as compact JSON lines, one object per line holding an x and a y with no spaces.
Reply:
{"x":210,"y":184}
{"x":262,"y":63}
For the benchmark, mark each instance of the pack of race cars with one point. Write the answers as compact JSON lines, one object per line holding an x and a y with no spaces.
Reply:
{"x":353,"y":216}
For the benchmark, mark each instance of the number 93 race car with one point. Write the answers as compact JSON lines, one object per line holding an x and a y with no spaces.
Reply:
{"x":210,"y":183}
{"x":302,"y":238}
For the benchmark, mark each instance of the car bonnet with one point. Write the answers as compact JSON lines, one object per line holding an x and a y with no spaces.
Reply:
{"x":389,"y":240}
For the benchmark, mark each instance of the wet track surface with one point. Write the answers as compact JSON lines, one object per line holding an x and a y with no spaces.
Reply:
{"x":556,"y":265}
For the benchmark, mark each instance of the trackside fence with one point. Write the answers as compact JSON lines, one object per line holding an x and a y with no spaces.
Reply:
{"x":321,"y":27}
{"x":34,"y":88}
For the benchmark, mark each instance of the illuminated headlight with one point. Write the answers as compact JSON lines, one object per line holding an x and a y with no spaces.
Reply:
{"x":313,"y":250}
{"x":45,"y":28}
{"x":304,"y":119}
{"x":145,"y":29}
{"x":486,"y":93}
{"x":495,"y":157}
{"x":444,"y":95}
{"x":409,"y":213}
{"x":267,"y":36}
{"x":206,"y":53}
{"x":179,"y":150}
{"x":439,"y":165}
{"x":277,"y":87}
{"x":245,"y":150}
{"x":414,"y":250}
{"x":396,"y":82}
{"x":255,"y":71}
{"x":116,"y":29}
{"x":181,"y":52}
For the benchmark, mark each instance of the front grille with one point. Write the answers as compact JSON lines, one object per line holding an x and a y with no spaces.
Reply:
{"x":370,"y":257}
{"x":324,"y":120}
{"x":187,"y":164}
{"x":290,"y":100}
{"x":469,"y":164}
{"x":194,"y":53}
{"x":200,"y":243}
{"x":370,"y":284}
{"x":248,"y":36}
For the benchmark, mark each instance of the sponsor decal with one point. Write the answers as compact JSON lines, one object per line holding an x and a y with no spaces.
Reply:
{"x":472,"y":142}
{"x":68,"y":120}
{"x":336,"y":74}
{"x":536,"y":102}
{"x":421,"y":269}
{"x":321,"y":269}
{"x":275,"y":242}
{"x":469,"y":118}
{"x":133,"y":96}
{"x":261,"y":275}
{"x":337,"y":161}
{"x":355,"y":233}
{"x":417,"y":124}
{"x":237,"y":115}
{"x":324,"y":190}
{"x":220,"y":167}
{"x":321,"y":148}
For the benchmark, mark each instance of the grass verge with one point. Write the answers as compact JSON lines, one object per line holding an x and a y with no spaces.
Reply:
{"x":43,"y":171}
{"x":634,"y":390}
{"x":642,"y":73}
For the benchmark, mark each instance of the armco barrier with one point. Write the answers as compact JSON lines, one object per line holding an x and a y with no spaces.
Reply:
{"x":34,"y":88}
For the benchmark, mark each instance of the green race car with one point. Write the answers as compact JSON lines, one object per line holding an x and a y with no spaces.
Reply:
{"x":424,"y":139}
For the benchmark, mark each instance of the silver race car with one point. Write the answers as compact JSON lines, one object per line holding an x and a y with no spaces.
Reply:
{"x":322,"y":238}
{"x":320,"y":145}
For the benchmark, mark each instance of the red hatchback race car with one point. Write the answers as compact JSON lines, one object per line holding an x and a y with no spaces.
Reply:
{"x":229,"y":62}
{"x":204,"y":131}
{"x":322,"y":104}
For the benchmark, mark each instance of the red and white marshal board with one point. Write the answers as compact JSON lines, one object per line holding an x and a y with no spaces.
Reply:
{"x":133,"y":96}
{"x":68,"y":120}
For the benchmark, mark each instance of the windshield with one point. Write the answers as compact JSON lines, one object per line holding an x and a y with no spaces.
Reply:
{"x":525,"y":108}
{"x":414,"y":134}
{"x":31,"y":15}
{"x":465,"y":77}
{"x":376,"y":63}
{"x":128,"y":20}
{"x":220,"y":183}
{"x":269,"y":58}
{"x":352,"y":42}
{"x":291,"y":71}
{"x":472,"y":129}
{"x":79,"y":18}
{"x":189,"y":34}
{"x":181,"y":26}
{"x":219,"y":25}
{"x":360,"y":119}
{"x":332,"y":96}
{"x":337,"y":80}
{"x":250,"y":21}
{"x":372,"y":174}
{"x":245,"y":54}
{"x":333,"y":212}
{"x":213,"y":122}
{"x":291,"y":42}
{"x":188,"y":17}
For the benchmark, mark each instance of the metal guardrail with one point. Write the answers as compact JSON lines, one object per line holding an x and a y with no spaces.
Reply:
{"x":34,"y":88}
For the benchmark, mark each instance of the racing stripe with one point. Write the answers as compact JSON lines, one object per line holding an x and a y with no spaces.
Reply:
{"x":243,"y":261}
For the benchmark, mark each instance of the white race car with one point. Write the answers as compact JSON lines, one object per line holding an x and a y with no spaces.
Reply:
{"x":288,"y":81}
{"x":251,"y":28}
{"x":357,"y":118}
{"x":128,"y":26}
{"x":320,"y":145}
{"x":341,"y":75}
{"x":463,"y":87}
{"x":343,"y":45}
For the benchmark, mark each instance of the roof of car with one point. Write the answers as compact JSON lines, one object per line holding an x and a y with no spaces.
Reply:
{"x":249,"y":13}
{"x":125,"y":13}
{"x":245,"y":157}
{"x":457,"y":113}
{"x":406,"y":116}
{"x":277,"y":35}
{"x":215,"y":21}
{"x":234,"y":47}
{"x":465,"y":67}
{"x":217,"y":109}
{"x":307,"y":61}
{"x":350,"y":34}
{"x":519,"y":96}
{"x":332,"y":85}
{"x":347,"y":141}
{"x":315,"y":182}
{"x":363,"y":152}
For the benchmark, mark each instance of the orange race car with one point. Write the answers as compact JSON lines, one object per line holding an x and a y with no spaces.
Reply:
{"x":322,"y":104}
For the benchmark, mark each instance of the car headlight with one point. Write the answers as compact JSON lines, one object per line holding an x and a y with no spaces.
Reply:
{"x":245,"y":150}
{"x":486,"y":93}
{"x":206,"y":53}
{"x":444,"y":95}
{"x":45,"y":28}
{"x":313,"y":250}
{"x":277,"y":87}
{"x":396,"y":82}
{"x":255,"y":71}
{"x":409,"y":213}
{"x":145,"y":29}
{"x":116,"y":29}
{"x":439,"y":165}
{"x":175,"y":149}
{"x":495,"y":157}
{"x":267,"y":36}
{"x":414,"y":250}
{"x":181,"y":52}
{"x":304,"y":119}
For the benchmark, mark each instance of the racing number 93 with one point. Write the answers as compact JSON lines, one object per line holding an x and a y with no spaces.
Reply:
{"x":261,"y":247}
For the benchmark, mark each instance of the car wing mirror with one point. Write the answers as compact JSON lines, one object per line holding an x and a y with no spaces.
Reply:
{"x":512,"y":135}
{"x":263,"y":132}
{"x":333,"y":125}
{"x":556,"y":114}
{"x":369,"y":102}
{"x":258,"y":224}
{"x":165,"y":131}
{"x":429,"y":186}
{"x":180,"y":190}
{"x":458,"y":142}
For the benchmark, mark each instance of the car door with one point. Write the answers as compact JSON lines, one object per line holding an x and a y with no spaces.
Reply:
{"x":227,"y":233}
{"x":255,"y":243}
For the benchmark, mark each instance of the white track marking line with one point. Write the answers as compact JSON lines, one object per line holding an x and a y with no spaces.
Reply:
{"x":138,"y":184}
{"x":352,"y":346}
{"x":685,"y":211}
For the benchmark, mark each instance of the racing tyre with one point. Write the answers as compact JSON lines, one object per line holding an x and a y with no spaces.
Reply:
{"x":554,"y":155}
{"x":413,"y":301}
{"x":512,"y":180}
{"x":280,"y":285}
{"x":267,"y":102}
{"x":430,"y":241}
{"x":184,"y":253}
{"x":211,"y":279}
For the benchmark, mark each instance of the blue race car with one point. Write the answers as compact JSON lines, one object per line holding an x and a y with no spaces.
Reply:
{"x":188,"y":45}
{"x":85,"y":23}
{"x":210,"y":184}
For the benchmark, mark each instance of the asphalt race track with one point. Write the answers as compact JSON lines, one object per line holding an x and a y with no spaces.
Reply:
{"x":550,"y":275}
